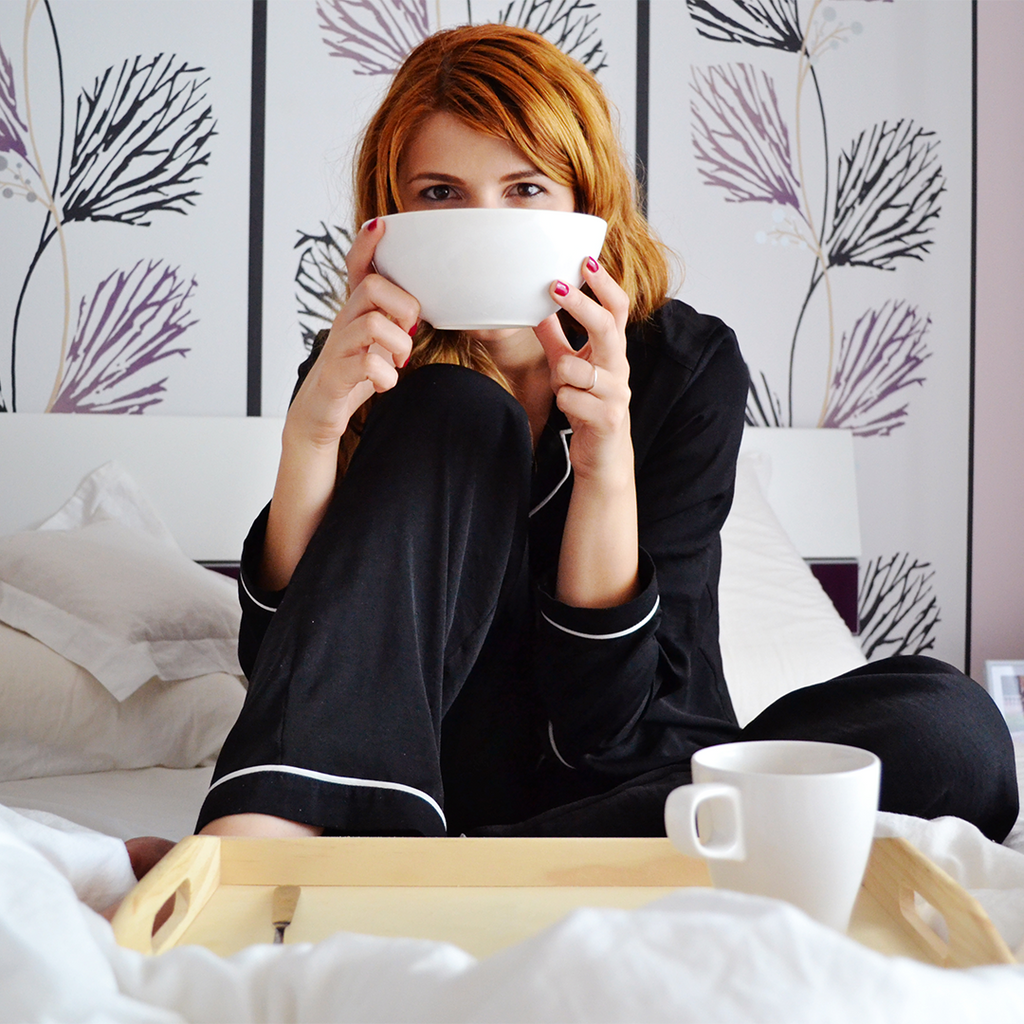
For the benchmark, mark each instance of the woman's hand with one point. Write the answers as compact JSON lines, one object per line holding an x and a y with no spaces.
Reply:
{"x":369,"y":341}
{"x":591,"y":386}
{"x":598,"y":563}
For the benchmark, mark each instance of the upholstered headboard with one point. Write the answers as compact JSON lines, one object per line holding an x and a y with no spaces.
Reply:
{"x":207,"y":476}
{"x":809,"y":479}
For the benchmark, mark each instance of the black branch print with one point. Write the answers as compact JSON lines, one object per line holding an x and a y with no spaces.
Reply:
{"x":764,"y":407}
{"x":375,"y":36}
{"x":898,"y":607}
{"x":141,"y":139}
{"x":880,"y":357}
{"x":141,"y":143}
{"x":321,"y":278}
{"x":888,"y":186}
{"x":570,"y":24}
{"x":771,"y":23}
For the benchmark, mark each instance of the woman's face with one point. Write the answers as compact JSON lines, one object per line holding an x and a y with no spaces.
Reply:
{"x":447,"y":165}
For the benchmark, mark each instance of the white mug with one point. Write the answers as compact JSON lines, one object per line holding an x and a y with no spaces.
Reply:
{"x":792,"y":819}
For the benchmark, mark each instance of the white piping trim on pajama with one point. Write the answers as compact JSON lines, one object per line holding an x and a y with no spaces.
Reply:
{"x":563,"y":434}
{"x":551,"y":740}
{"x":248,"y":592}
{"x":342,"y":780}
{"x":608,"y":636}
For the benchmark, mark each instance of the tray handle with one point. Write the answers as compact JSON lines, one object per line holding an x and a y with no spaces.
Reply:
{"x":188,"y":875}
{"x":897,"y":871}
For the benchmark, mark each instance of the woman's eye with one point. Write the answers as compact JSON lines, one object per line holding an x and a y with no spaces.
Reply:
{"x":437,"y":193}
{"x":527,"y":190}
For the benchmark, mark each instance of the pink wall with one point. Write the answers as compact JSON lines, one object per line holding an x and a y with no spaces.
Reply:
{"x":998,"y":570}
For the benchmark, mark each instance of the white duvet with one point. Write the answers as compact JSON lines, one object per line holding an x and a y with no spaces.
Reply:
{"x":698,"y":955}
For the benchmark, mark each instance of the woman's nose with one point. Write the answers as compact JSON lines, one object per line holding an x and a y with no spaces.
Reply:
{"x":485,"y":199}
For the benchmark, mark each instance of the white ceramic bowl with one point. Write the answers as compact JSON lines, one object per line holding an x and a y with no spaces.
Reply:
{"x":473,"y":269}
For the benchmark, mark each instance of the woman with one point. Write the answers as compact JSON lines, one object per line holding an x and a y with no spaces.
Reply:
{"x":483,"y":597}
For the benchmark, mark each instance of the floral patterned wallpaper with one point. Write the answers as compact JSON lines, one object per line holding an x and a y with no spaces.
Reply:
{"x":174,"y":210}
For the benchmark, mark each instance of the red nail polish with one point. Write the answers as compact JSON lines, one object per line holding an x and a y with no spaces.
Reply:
{"x":412,"y":330}
{"x":592,"y":265}
{"x":372,"y":224}
{"x":561,"y":288}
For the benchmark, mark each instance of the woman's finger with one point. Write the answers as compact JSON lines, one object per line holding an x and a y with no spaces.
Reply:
{"x":379,"y":371}
{"x":607,"y":291}
{"x":359,"y":260}
{"x":593,"y":380}
{"x":355,"y":354}
{"x":576,"y":372}
{"x":376,"y":293}
{"x":604,"y":320}
{"x":376,"y":332}
{"x":553,"y":340}
{"x":567,"y":366}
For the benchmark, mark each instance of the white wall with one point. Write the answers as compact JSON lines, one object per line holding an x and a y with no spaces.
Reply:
{"x":998,"y":558}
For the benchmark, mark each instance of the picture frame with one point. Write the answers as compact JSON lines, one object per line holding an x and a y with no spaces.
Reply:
{"x":1004,"y":681}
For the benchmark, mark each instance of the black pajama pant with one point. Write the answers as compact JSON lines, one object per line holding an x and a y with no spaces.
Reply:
{"x":392,"y":696}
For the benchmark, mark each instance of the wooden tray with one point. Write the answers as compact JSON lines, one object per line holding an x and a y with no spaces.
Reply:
{"x":486,"y":894}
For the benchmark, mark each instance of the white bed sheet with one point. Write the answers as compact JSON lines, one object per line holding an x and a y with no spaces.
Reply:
{"x":125,"y":803}
{"x":698,"y":955}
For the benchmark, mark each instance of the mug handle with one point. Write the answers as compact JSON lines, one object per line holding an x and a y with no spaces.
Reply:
{"x":681,"y":821}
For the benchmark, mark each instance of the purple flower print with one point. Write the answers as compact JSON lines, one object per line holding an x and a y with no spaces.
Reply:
{"x":132,"y":322}
{"x":12,"y":128}
{"x":878,"y":359}
{"x":376,"y":36}
{"x":740,"y":138}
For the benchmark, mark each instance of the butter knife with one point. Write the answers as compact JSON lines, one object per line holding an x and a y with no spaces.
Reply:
{"x":285,"y":899}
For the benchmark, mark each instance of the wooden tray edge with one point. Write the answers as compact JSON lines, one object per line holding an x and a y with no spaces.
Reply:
{"x":199,"y":864}
{"x":896,"y":872}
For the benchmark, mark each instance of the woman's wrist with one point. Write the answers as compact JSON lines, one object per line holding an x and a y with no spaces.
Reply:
{"x":306,"y":479}
{"x":611,"y":479}
{"x":599,"y":559}
{"x":302,"y":439}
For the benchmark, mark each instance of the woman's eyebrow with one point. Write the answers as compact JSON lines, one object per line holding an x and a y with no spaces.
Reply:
{"x":451,"y":179}
{"x":526,"y":172}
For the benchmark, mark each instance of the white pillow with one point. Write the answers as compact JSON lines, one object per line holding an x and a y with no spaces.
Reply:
{"x":110,"y":492}
{"x":57,"y":719}
{"x":125,"y":604}
{"x":778,"y":629}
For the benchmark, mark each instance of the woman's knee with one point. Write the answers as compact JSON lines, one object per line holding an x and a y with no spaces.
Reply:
{"x":944,"y":745}
{"x":453,"y":406}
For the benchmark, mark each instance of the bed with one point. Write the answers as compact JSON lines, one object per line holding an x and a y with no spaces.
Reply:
{"x":118,"y":683}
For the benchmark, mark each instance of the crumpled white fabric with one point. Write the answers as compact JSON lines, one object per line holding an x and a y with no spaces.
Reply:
{"x":698,"y":955}
{"x":97,"y":866}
